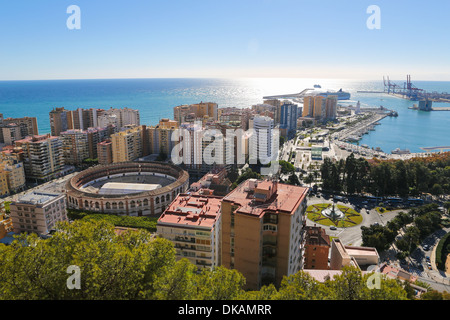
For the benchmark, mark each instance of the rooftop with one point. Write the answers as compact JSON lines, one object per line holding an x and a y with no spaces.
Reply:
{"x":127,"y":188}
{"x":195,"y":210}
{"x":37,"y":197}
{"x":255,"y":197}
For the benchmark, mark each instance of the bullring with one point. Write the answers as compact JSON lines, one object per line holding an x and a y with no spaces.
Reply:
{"x":129,"y":188}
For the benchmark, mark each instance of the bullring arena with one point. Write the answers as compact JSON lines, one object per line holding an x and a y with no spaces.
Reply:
{"x":129,"y":188}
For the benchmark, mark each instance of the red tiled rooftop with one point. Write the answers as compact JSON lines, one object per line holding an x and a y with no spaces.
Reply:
{"x":192,"y":210}
{"x":286,"y":199}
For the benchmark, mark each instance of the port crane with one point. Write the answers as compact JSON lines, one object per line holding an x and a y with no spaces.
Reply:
{"x":390,"y":85}
{"x":411,"y":91}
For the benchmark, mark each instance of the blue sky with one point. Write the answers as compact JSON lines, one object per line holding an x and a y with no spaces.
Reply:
{"x":210,"y":38}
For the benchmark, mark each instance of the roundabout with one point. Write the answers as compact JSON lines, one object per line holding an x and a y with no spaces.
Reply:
{"x":328,"y":214}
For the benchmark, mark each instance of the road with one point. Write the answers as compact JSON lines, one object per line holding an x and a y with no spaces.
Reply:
{"x":353,"y":236}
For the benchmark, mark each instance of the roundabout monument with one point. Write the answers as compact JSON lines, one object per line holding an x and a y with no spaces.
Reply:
{"x":333,"y":215}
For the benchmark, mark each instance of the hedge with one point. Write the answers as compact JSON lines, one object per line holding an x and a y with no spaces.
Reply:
{"x":441,"y":251}
{"x":148,"y":223}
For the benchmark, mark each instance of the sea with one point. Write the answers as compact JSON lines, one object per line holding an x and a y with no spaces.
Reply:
{"x":155,"y":99}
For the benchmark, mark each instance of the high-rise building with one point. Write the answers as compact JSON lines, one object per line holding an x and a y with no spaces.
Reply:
{"x":38,"y":212}
{"x":192,"y":223}
{"x":319,"y":107}
{"x":28,"y":125}
{"x":59,"y":121}
{"x":262,"y":227}
{"x":43,"y":157}
{"x":9,"y":133}
{"x":94,"y":137}
{"x":104,"y":152}
{"x":308,"y":106}
{"x":277,"y":104}
{"x":75,"y":146}
{"x":83,"y":118}
{"x":15,"y":173}
{"x":195,"y":112}
{"x":288,"y":118}
{"x":262,"y":145}
{"x":331,"y":107}
{"x":127,"y":145}
{"x":160,"y":137}
{"x":119,"y":117}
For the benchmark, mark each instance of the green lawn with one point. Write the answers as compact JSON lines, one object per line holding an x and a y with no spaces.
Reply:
{"x":382,"y":210}
{"x":352,"y":218}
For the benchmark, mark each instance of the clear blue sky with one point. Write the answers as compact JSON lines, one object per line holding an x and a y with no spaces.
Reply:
{"x":212,"y":38}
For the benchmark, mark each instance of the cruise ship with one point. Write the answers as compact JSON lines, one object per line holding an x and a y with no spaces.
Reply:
{"x":342,"y":95}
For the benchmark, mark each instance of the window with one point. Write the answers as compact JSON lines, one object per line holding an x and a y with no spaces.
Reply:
{"x":270,"y":218}
{"x":270,"y":227}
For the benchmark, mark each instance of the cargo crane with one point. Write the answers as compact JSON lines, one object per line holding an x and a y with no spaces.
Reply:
{"x":412,"y":91}
{"x":390,"y":85}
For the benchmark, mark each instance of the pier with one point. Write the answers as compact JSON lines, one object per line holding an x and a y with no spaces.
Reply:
{"x":411,"y":92}
{"x":441,"y":149}
{"x":289,"y":95}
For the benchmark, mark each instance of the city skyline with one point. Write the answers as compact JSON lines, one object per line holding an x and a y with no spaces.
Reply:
{"x":255,"y":39}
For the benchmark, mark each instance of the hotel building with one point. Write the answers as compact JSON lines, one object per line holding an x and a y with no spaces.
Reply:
{"x":192,"y":223}
{"x":262,"y":231}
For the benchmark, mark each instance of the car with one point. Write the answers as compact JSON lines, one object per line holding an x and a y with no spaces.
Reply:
{"x":427,"y":259}
{"x":426,"y":247}
{"x":333,"y":228}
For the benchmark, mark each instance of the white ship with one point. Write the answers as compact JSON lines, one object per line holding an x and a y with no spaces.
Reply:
{"x":342,"y":95}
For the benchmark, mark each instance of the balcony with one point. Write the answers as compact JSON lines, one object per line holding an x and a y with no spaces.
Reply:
{"x":185,"y":239}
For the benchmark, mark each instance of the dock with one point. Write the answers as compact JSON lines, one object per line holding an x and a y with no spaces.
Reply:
{"x":289,"y":95}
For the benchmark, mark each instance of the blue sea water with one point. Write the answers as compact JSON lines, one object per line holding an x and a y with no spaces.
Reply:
{"x":155,"y":99}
